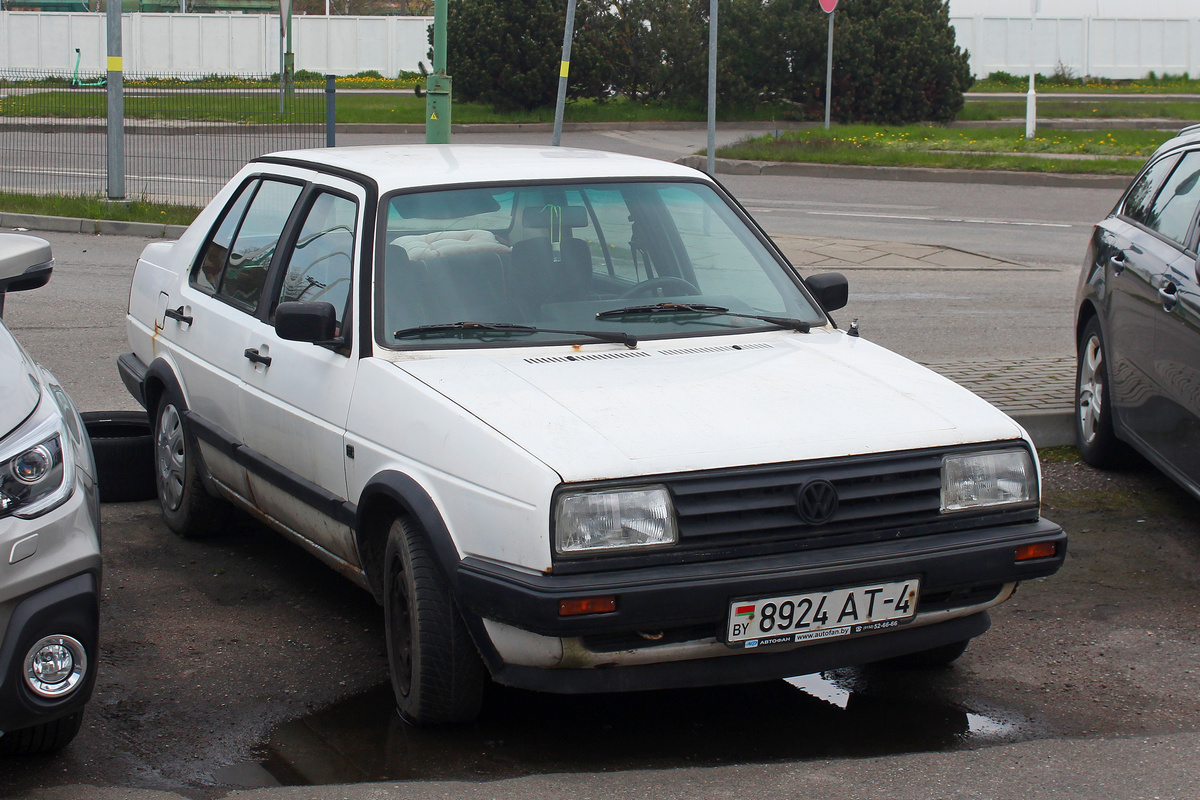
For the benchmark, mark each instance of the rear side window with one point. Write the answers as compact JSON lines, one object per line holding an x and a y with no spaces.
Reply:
{"x":1141,"y":194}
{"x":234,"y":263}
{"x":1175,"y":204}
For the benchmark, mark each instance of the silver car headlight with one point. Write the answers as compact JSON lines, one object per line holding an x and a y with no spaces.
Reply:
{"x":37,"y":465}
{"x":992,"y":478}
{"x":620,"y":519}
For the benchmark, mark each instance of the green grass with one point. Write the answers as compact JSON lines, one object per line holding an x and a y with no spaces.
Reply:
{"x":96,"y":208}
{"x":1082,"y":109}
{"x":1152,"y":84}
{"x":394,"y":107}
{"x":1119,"y":152}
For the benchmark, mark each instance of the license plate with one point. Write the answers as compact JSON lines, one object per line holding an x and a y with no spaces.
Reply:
{"x":821,"y":615}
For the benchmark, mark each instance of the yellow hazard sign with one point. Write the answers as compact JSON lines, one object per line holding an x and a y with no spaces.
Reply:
{"x":433,"y":116}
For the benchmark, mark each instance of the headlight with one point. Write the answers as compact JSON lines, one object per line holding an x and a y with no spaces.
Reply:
{"x":979,"y":480}
{"x":36,"y":465}
{"x":614,"y":520}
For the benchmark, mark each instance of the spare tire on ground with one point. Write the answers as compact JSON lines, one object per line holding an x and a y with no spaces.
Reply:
{"x":124,"y":450}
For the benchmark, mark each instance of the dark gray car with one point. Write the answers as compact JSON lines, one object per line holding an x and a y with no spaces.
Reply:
{"x":1138,"y":321}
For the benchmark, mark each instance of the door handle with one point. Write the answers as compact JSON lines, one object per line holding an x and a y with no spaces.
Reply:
{"x":253,"y":355}
{"x":1117,"y":262}
{"x":178,"y":315}
{"x":1167,"y":295}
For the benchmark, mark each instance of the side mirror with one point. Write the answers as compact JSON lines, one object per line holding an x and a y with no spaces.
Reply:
{"x":831,"y":289}
{"x":301,"y":321}
{"x":25,"y":263}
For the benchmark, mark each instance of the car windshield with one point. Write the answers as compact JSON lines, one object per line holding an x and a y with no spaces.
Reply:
{"x":561,"y":259}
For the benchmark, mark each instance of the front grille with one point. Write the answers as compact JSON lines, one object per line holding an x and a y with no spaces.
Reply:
{"x":753,"y":511}
{"x":759,"y":505}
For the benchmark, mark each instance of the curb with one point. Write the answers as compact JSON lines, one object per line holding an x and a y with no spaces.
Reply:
{"x":1047,"y":428}
{"x":45,"y":222}
{"x":918,"y":174}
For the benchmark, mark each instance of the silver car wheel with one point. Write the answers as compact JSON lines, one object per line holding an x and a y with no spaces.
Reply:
{"x":1090,"y":392}
{"x":169,"y":457}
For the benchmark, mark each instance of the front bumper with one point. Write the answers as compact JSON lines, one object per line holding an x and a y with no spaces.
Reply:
{"x":669,"y":622}
{"x":50,"y":570}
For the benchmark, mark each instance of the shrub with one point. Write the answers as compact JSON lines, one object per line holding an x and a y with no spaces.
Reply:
{"x":506,"y":53}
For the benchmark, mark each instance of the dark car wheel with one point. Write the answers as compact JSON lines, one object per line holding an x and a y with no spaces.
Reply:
{"x":48,"y":737}
{"x":124,"y":451}
{"x":1098,"y":445}
{"x":437,"y":674}
{"x":187,"y":507}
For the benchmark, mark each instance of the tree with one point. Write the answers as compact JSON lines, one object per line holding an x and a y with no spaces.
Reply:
{"x":507,"y":53}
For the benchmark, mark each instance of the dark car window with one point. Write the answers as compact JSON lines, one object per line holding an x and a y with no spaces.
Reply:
{"x":1137,"y":202}
{"x":212,"y":263}
{"x":1174,"y":207}
{"x":238,"y":270}
{"x":319,"y":266}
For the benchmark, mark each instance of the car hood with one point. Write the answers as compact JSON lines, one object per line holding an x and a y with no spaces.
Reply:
{"x":702,"y":405}
{"x":20,"y":387}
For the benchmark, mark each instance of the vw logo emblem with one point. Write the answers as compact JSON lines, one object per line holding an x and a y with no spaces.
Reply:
{"x":817,"y":502}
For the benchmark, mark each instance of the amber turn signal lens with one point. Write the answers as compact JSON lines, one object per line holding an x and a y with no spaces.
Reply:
{"x":586,"y":605}
{"x":1040,"y":550}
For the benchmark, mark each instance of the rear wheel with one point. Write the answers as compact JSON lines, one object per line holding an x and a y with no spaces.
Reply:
{"x":187,"y":507}
{"x":1098,"y":444}
{"x":437,"y":674}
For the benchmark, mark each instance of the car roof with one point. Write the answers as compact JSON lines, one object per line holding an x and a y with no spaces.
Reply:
{"x":408,"y":166}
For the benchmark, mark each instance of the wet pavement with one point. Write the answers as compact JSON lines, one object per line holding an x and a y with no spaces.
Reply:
{"x":845,"y":714}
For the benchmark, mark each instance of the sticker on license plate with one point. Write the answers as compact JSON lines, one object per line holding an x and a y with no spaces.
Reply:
{"x":814,"y":616}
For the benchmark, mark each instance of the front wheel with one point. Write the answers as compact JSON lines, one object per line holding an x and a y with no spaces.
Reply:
{"x":437,"y":674}
{"x":1098,"y":444}
{"x":48,"y":737}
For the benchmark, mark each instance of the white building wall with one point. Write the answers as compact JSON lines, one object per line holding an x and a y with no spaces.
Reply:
{"x":1102,"y":38}
{"x":220,"y":44}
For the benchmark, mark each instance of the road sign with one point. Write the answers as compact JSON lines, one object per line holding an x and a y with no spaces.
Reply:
{"x":828,"y":5}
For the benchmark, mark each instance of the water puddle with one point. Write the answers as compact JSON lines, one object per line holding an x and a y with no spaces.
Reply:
{"x":847,"y":713}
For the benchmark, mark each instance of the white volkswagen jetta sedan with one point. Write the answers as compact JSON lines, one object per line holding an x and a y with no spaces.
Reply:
{"x":574,"y":421}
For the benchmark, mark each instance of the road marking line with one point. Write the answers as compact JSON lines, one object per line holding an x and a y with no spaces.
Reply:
{"x":938,"y":219}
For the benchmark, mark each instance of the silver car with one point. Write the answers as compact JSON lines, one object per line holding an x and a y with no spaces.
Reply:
{"x":49,"y":537}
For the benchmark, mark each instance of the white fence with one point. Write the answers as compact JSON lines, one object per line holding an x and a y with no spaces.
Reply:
{"x":1103,"y":38}
{"x":221,"y":44}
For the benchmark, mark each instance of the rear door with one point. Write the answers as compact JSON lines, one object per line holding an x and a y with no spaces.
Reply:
{"x":211,"y":319}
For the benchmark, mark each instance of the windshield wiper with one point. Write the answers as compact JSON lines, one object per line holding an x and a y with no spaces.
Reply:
{"x":695,"y":308}
{"x":465,"y":328}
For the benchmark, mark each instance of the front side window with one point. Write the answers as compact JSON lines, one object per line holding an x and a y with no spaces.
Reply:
{"x":234,"y":263}
{"x":320,"y":265}
{"x":573,"y":257}
{"x":1174,"y":207}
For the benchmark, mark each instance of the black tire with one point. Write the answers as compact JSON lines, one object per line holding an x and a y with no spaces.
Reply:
{"x":187,"y":507}
{"x":942,"y":656}
{"x":1098,"y":444}
{"x":49,"y":737}
{"x":124,"y":451}
{"x":437,"y":674}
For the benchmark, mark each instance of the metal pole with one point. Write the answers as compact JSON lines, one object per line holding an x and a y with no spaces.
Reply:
{"x":565,"y":67}
{"x":1031,"y":96}
{"x":710,"y":165}
{"x":330,"y":111}
{"x":289,"y":59}
{"x":437,"y":85}
{"x":115,"y":89}
{"x":829,"y":72}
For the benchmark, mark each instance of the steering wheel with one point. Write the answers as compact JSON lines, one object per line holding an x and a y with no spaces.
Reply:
{"x":668,"y":284}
